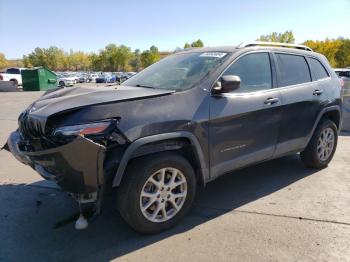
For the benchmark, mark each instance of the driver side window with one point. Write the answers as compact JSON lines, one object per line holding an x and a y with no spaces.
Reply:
{"x":254,"y":71}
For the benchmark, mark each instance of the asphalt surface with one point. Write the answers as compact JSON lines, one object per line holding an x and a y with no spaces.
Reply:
{"x":275,"y":211}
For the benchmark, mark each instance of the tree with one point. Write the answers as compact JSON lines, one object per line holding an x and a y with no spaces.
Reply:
{"x":123,"y":57}
{"x":38,"y":57}
{"x":26,"y":62}
{"x":135,"y":61}
{"x":337,"y":51}
{"x":342,"y":55}
{"x":3,"y":61}
{"x":15,"y":63}
{"x":77,"y":61}
{"x":96,"y":62}
{"x":197,"y":43}
{"x":187,"y":45}
{"x":150,"y":56}
{"x":286,"y":37}
{"x":55,"y":58}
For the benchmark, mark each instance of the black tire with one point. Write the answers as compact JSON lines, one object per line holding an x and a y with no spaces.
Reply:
{"x":15,"y":82}
{"x":61,"y":83}
{"x":310,"y":156}
{"x":138,"y":172}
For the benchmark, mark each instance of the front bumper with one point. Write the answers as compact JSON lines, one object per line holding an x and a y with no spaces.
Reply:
{"x":76,"y":167}
{"x":69,"y":83}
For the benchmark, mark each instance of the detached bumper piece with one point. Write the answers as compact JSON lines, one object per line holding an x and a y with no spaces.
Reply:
{"x":76,"y":167}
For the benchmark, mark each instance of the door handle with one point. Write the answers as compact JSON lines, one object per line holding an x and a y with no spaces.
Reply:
{"x":317,"y":92}
{"x":271,"y":100}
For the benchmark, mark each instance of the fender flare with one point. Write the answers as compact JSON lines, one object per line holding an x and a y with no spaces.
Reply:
{"x":319,"y":116}
{"x":158,"y":138}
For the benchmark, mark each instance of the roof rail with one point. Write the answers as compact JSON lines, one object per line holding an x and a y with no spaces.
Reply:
{"x":184,"y":49}
{"x":260,"y":43}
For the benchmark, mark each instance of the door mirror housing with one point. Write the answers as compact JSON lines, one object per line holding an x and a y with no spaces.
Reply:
{"x":227,"y":84}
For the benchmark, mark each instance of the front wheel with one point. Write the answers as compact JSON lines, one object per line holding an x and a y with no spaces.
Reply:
{"x":322,"y":145}
{"x":157,"y":192}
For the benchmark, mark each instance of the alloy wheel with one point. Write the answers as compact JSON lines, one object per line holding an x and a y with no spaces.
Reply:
{"x":325,"y":144}
{"x":163,"y":195}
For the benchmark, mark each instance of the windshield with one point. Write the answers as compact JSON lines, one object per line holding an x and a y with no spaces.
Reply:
{"x":178,"y":72}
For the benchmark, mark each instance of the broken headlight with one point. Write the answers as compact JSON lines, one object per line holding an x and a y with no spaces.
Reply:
{"x":85,"y":129}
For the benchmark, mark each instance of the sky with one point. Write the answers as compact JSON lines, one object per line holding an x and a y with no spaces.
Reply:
{"x":91,"y":25}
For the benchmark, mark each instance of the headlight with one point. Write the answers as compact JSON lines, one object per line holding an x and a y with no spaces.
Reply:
{"x":86,"y":129}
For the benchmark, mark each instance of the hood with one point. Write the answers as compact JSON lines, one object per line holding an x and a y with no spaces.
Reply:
{"x":67,"y":99}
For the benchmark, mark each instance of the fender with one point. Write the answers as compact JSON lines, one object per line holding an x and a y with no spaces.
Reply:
{"x":158,"y":138}
{"x":322,"y":112}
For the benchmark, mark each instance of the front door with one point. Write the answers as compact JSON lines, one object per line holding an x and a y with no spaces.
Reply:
{"x":244,"y":124}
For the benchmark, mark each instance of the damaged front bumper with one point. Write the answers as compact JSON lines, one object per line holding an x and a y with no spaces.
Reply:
{"x":77,"y":167}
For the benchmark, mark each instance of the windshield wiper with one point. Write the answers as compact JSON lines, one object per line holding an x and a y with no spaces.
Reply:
{"x":144,"y":86}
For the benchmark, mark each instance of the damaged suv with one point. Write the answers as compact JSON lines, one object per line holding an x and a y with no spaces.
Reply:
{"x":180,"y":123}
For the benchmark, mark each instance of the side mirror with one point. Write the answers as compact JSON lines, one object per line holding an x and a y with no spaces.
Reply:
{"x":227,"y":84}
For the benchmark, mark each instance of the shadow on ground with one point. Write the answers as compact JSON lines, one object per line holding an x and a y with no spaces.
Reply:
{"x":344,"y":133}
{"x":28,"y":215}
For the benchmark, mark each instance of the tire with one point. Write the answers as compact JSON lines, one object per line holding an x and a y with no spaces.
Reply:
{"x":61,"y":83}
{"x":136,"y":181}
{"x":15,"y":82}
{"x":311,"y":155}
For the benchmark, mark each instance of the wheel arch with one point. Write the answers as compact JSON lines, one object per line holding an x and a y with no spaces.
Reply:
{"x":165,"y":142}
{"x":333,"y":113}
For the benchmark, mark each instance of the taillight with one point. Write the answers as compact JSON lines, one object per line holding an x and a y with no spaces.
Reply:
{"x":342,"y":82}
{"x":1,"y":78}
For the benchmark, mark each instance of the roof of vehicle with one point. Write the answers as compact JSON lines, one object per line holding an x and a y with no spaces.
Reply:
{"x":342,"y":69}
{"x":20,"y":68}
{"x":256,"y":45}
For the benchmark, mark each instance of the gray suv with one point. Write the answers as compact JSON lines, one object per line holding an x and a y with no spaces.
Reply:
{"x":182,"y":122}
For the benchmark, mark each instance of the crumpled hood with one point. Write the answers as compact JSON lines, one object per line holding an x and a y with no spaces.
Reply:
{"x":72,"y":98}
{"x":68,"y":99}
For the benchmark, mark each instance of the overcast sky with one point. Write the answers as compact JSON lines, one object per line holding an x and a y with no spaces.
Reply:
{"x":91,"y":25}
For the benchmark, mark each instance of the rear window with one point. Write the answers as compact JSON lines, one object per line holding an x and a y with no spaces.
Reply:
{"x":317,"y":69}
{"x":293,"y":70}
{"x":13,"y":71}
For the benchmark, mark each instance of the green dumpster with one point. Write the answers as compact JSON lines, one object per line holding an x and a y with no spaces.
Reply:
{"x":38,"y":79}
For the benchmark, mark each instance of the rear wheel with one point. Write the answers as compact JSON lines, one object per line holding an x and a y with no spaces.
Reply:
{"x":15,"y":82}
{"x":322,"y":145}
{"x":157,"y":192}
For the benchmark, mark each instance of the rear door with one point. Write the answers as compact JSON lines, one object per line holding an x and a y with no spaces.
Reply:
{"x":244,"y":124}
{"x":301,"y":98}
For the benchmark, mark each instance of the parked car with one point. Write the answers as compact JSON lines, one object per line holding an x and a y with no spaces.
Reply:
{"x":181,"y":123}
{"x":92,"y":77}
{"x":121,"y":76}
{"x":344,"y":75}
{"x":12,"y":74}
{"x":72,"y":75}
{"x":342,"y":72}
{"x":65,"y":81}
{"x":106,"y":78}
{"x":83,"y":78}
{"x":130,"y":74}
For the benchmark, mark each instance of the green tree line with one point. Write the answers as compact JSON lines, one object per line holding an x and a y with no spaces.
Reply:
{"x":122,"y":58}
{"x":111,"y":58}
{"x":337,"y":50}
